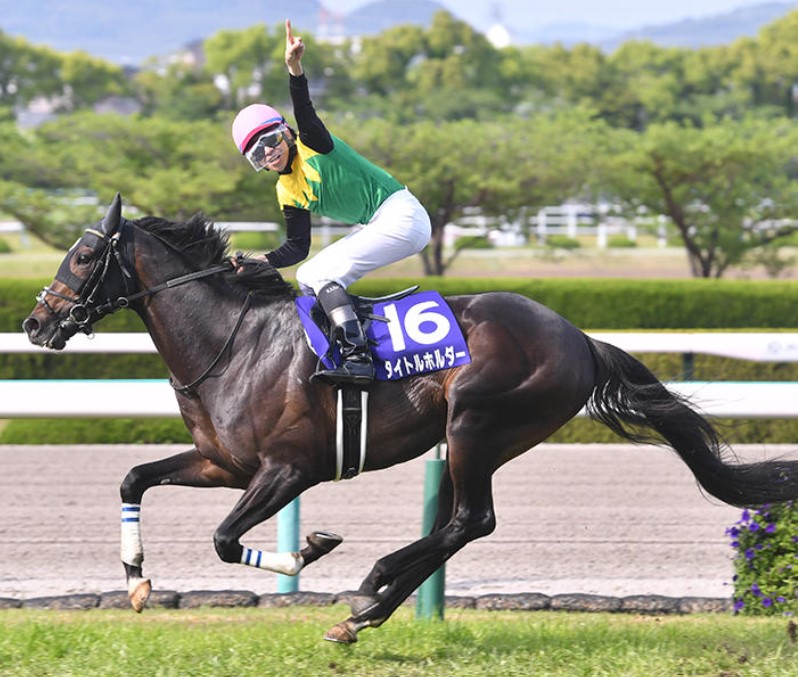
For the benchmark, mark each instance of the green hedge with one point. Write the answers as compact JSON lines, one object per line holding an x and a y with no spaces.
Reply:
{"x":95,"y":431}
{"x":588,"y":303}
{"x":634,"y":304}
{"x":172,"y":431}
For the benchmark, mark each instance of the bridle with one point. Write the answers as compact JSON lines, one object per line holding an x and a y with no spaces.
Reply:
{"x":91,"y":301}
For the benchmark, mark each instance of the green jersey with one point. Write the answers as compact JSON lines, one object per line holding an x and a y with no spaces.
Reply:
{"x":340,"y":184}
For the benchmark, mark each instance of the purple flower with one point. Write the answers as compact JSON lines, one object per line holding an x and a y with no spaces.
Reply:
{"x":754,"y":526}
{"x":767,"y":602}
{"x":755,"y":589}
{"x":780,"y":599}
{"x":746,"y":516}
{"x":750,"y":554}
{"x":770,"y":528}
{"x":738,"y":605}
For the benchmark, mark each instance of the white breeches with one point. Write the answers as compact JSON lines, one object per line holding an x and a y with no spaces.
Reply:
{"x":398,"y":229}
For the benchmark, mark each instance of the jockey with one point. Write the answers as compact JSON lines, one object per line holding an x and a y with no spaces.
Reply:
{"x":320,"y":173}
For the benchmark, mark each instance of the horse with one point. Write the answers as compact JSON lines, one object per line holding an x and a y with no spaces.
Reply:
{"x":239,"y":362}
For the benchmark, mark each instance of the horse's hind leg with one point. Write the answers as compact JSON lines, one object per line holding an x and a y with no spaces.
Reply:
{"x":397,"y":575}
{"x":187,"y":469}
{"x":366,"y":595}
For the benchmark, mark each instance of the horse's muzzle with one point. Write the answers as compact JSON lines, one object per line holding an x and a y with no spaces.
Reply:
{"x":37,"y":335}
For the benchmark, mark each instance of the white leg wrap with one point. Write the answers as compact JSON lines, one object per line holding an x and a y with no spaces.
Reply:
{"x":288,"y":563}
{"x":131,"y":550}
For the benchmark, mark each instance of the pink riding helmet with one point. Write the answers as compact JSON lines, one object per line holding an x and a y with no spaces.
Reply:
{"x":252,"y":120}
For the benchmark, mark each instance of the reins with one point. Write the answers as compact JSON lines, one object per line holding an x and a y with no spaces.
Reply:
{"x":174,"y":282}
{"x":186,"y":390}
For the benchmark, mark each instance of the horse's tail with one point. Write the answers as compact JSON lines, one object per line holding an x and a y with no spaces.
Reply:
{"x":634,"y":404}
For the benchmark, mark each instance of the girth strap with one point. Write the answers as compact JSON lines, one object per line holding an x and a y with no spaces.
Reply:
{"x":351,"y":429}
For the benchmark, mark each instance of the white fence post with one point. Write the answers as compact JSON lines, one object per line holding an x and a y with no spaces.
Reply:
{"x":601,"y":236}
{"x":541,"y":226}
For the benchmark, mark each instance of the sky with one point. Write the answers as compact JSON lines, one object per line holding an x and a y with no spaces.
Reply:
{"x":610,"y":13}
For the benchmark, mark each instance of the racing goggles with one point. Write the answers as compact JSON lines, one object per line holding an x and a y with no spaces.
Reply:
{"x":257,"y":151}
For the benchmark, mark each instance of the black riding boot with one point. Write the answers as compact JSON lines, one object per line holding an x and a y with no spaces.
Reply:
{"x":356,"y":366}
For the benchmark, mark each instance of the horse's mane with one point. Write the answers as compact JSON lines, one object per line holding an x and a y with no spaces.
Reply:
{"x":205,"y":246}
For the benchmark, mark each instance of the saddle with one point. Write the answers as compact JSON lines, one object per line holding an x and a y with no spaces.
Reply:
{"x":409,"y":333}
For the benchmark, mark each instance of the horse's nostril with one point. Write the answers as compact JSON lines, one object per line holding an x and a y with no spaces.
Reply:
{"x":30,"y":326}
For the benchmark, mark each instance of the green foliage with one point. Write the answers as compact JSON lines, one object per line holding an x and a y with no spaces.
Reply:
{"x":620,"y":242}
{"x":18,"y":297}
{"x":5,"y":248}
{"x":95,"y":431}
{"x":704,"y":136}
{"x":474,"y":242}
{"x":562,"y":242}
{"x":633,"y":304}
{"x":254,"y":241}
{"x":722,"y":184}
{"x":499,"y":167}
{"x":735,"y":431}
{"x":765,"y":542}
{"x":588,"y":303}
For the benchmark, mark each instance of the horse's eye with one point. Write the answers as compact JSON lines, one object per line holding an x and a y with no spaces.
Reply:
{"x":83,"y":258}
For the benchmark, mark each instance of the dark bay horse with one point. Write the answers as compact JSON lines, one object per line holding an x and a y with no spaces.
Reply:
{"x":238,"y":359}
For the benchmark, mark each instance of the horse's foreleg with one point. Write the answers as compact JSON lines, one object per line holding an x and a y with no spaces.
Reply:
{"x":270,"y":489}
{"x":187,"y":469}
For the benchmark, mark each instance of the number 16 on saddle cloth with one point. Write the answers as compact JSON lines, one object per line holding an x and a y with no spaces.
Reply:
{"x":420,"y":335}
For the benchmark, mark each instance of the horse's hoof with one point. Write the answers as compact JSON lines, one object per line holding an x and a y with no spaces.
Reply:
{"x":140,"y":594}
{"x":324,"y":541}
{"x":343,"y":633}
{"x":319,"y":544}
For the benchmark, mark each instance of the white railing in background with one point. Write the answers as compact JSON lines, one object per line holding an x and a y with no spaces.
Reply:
{"x":571,"y":220}
{"x":22,"y":398}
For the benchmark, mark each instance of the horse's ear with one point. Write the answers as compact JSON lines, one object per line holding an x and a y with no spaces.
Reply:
{"x":113,"y":218}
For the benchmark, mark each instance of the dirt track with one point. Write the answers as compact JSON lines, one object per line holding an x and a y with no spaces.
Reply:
{"x":603,"y":519}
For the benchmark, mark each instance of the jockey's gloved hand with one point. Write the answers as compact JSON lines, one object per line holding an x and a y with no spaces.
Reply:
{"x":239,"y":260}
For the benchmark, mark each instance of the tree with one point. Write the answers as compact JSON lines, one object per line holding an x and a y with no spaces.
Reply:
{"x":182,"y":92}
{"x":87,"y":80}
{"x":26,"y":71}
{"x":725,"y":186}
{"x":162,"y":167}
{"x":35,"y":189}
{"x":498,"y":167}
{"x":251,"y":63}
{"x":447,"y":72}
{"x":648,"y":83}
{"x":72,"y":81}
{"x":773,"y":70}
